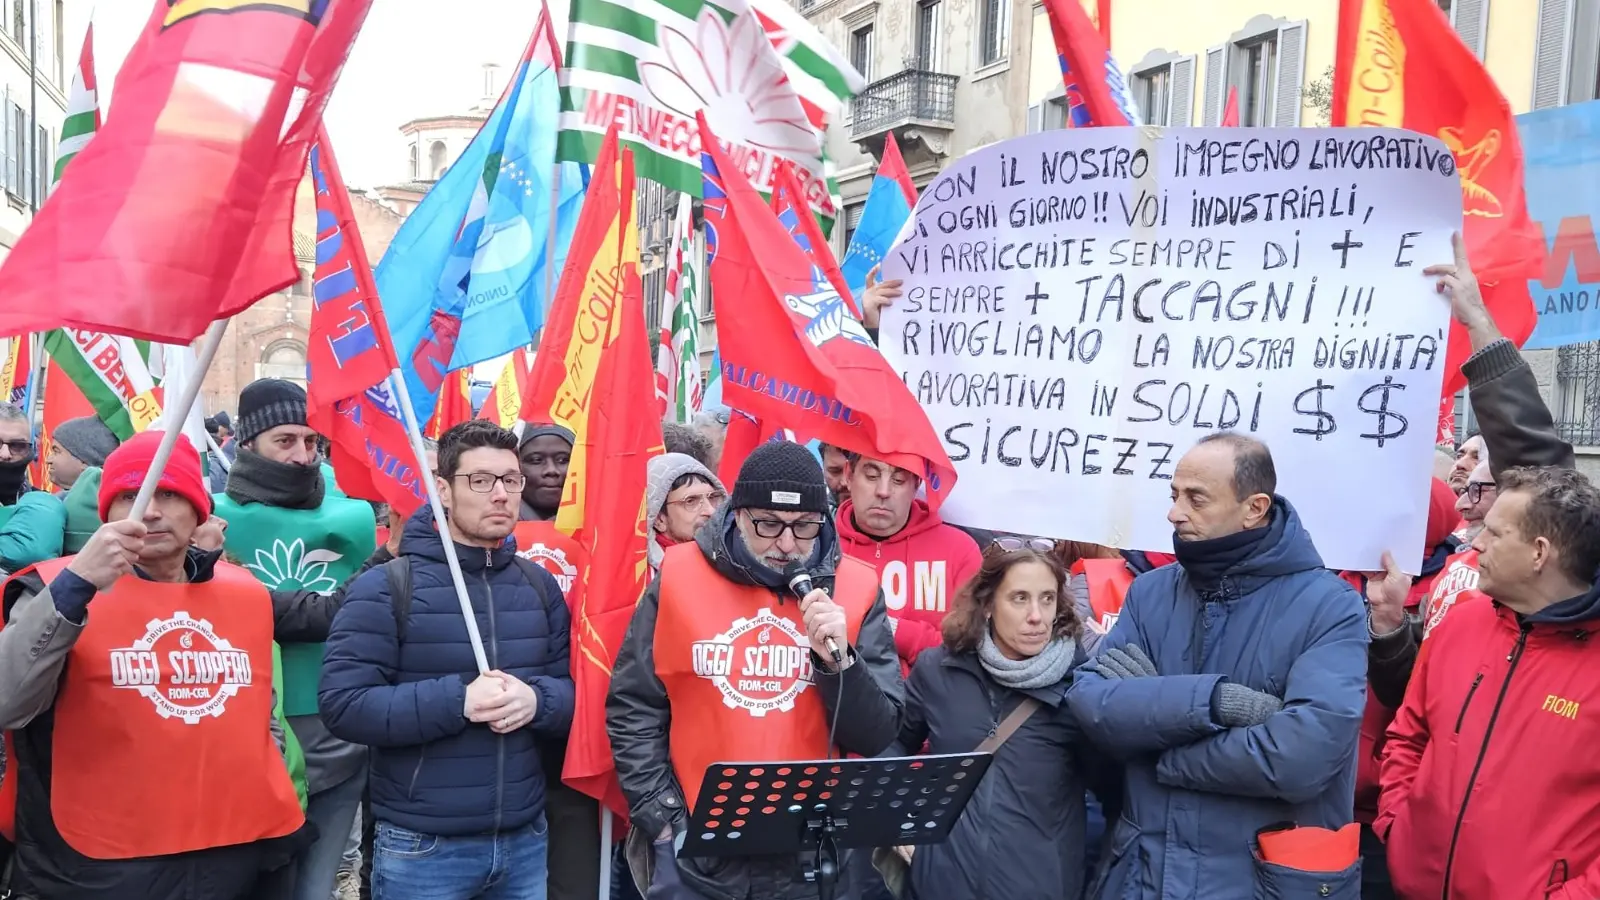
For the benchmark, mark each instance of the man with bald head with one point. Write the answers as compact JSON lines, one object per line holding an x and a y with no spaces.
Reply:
{"x":1232,"y":687}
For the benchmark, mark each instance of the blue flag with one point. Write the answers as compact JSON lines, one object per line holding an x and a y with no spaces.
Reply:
{"x":464,"y":279}
{"x":887,"y":210}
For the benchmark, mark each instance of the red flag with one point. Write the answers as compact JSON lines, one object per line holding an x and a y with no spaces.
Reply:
{"x":893,"y":165}
{"x":179,"y":211}
{"x":744,"y":435}
{"x":791,"y":352}
{"x":455,"y":403}
{"x":1230,"y":112}
{"x":666,"y":374}
{"x":595,"y":346}
{"x":789,"y":204}
{"x":62,"y":401}
{"x":349,"y":355}
{"x":1399,"y":64}
{"x":1086,"y":67}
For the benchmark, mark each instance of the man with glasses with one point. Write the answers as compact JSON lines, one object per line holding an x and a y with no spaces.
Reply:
{"x":921,"y":560}
{"x":1477,"y":495}
{"x":682,"y":495}
{"x":32,"y":522}
{"x":458,"y":786}
{"x":723,"y":661}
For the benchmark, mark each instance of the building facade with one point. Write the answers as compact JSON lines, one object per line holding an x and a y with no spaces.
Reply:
{"x":39,"y":42}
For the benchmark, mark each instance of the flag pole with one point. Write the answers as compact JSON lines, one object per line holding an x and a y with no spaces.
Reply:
{"x":397,"y":382}
{"x":216,"y":452}
{"x":185,"y":402}
{"x":606,"y":827}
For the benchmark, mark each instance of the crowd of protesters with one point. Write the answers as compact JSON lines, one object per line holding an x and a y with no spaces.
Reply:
{"x":1230,"y":719}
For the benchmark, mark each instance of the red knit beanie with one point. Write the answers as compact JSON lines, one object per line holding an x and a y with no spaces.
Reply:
{"x":126,"y":466}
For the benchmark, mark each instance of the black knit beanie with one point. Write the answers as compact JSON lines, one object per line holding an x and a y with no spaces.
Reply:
{"x":267,"y":403}
{"x":782,"y":476}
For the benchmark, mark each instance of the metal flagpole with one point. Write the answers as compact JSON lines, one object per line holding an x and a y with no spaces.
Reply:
{"x":185,"y":402}
{"x":397,"y":387}
{"x":222,"y":459}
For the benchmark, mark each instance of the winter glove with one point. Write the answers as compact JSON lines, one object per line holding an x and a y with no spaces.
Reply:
{"x":1125,"y":662}
{"x":1236,"y":706}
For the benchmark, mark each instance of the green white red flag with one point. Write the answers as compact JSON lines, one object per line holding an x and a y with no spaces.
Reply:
{"x":83,"y":108}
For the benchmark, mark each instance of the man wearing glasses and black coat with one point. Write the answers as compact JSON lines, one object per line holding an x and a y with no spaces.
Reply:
{"x":724,"y":663}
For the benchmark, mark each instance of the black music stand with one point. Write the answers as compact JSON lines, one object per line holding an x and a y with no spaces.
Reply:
{"x":818,"y":806}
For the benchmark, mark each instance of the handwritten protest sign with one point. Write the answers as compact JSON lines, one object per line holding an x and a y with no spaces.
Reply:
{"x":1081,"y":306}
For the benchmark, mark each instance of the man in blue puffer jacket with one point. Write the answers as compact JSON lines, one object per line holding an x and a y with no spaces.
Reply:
{"x":457,"y":786}
{"x":1232,"y":687}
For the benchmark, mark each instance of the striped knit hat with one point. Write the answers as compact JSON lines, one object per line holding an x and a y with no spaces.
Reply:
{"x":267,"y":403}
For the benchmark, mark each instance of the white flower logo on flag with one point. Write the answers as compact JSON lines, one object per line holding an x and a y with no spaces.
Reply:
{"x":733,"y":74}
{"x":292,"y":567}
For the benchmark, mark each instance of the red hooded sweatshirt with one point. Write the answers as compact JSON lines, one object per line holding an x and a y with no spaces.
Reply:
{"x":1442,"y":519}
{"x":921,"y":568}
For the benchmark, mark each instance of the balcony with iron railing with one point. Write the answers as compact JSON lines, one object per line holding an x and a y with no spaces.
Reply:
{"x":914,"y":98}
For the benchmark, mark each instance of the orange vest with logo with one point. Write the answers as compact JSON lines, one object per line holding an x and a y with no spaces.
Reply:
{"x":1109,"y":580}
{"x":1458,"y":581}
{"x":736,"y":663}
{"x":161,"y":742}
{"x":561,"y":556}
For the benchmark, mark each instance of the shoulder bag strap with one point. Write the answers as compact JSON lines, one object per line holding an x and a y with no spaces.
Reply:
{"x":1009,"y":725}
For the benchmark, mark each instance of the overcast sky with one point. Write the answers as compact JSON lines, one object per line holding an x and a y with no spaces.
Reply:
{"x":413,"y":58}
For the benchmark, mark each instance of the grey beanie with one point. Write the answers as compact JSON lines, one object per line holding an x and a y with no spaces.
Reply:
{"x":88,"y":439}
{"x":267,"y":403}
{"x":664,"y":470}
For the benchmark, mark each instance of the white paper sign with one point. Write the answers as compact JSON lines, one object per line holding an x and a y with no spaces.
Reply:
{"x":1082,"y":305}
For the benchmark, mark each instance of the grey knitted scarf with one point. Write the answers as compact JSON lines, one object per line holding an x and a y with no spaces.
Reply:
{"x":1040,"y":671}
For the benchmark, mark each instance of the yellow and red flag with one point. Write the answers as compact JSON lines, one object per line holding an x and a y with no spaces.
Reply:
{"x":595,"y":348}
{"x":1399,"y":64}
{"x":504,"y":404}
{"x":16,"y":361}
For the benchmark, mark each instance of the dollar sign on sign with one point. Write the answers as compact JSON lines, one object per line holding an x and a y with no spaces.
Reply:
{"x":1382,"y":412}
{"x":1325,"y":423}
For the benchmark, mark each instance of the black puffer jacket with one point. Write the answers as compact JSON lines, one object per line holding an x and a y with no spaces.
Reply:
{"x":869,"y":695}
{"x":1021,"y":836}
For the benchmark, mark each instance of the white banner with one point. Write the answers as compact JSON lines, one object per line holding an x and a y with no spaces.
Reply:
{"x":1081,"y":306}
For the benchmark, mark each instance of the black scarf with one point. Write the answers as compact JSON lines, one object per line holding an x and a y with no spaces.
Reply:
{"x":255,"y":479}
{"x":1205,"y":562}
{"x":13,"y":480}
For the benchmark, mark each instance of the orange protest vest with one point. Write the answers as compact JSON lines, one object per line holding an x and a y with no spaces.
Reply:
{"x":1458,"y":581}
{"x":736,"y":663}
{"x":161,"y":742}
{"x":1109,"y":580}
{"x":561,"y":556}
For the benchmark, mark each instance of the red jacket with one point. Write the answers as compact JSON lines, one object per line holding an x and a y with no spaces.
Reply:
{"x":921,"y":568}
{"x":1489,"y":782}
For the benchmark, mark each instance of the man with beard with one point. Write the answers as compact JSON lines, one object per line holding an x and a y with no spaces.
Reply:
{"x":1468,"y":456}
{"x":32,"y":522}
{"x":667,"y":717}
{"x":293,"y":534}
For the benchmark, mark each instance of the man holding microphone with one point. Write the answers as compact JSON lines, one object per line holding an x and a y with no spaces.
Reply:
{"x":685,"y":693}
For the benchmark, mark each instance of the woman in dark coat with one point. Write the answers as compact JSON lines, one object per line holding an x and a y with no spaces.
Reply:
{"x":1010,"y":635}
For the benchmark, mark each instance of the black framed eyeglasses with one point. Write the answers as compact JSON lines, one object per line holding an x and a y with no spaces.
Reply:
{"x":483,"y":482}
{"x":18,"y":448}
{"x":1475,"y":490}
{"x":1012,"y":542}
{"x":772,"y":529}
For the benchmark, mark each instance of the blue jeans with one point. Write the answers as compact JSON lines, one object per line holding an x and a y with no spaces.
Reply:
{"x":510,"y":865}
{"x":333,"y":811}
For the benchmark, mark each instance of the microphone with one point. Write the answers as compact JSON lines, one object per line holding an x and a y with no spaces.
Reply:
{"x":800,"y":584}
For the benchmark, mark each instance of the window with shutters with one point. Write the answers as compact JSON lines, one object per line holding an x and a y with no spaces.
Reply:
{"x":1152,"y":93}
{"x":19,"y":22}
{"x":1470,"y":18}
{"x":861,"y":50}
{"x":991,"y":31}
{"x":42,"y":168}
{"x":1567,"y":53}
{"x":58,"y":33}
{"x":852,"y":221}
{"x":1265,"y":63}
{"x":14,"y":148}
{"x":26,"y":182}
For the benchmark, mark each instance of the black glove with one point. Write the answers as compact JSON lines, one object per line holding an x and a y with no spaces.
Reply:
{"x":1124,"y":662}
{"x":1237,"y":706}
